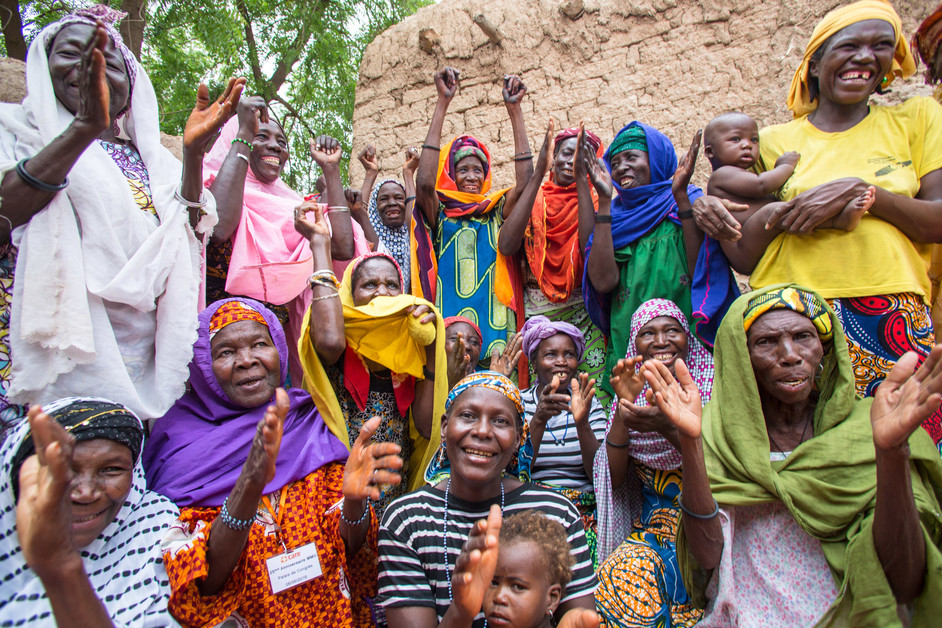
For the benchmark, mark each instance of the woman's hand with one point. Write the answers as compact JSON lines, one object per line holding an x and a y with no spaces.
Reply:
{"x":588,"y":164}
{"x":44,"y":511}
{"x":583,"y":391}
{"x":259,"y":466}
{"x":817,"y":205}
{"x":370,"y":465}
{"x":513,"y":91}
{"x":551,"y":402}
{"x":251,"y":111}
{"x":644,"y":418}
{"x":459,"y":361}
{"x":686,"y":167}
{"x":367,"y":158}
{"x":475,"y":566}
{"x":548,"y":148}
{"x":446,"y":83}
{"x":315,"y":231}
{"x":326,"y":151}
{"x":94,"y":106}
{"x":678,"y":399}
{"x":579,"y":618}
{"x":713,"y":217}
{"x":412,"y":162}
{"x":627,"y":381}
{"x":905,"y":398}
{"x":208,"y":116}
{"x":423,"y":312}
{"x":506,"y":362}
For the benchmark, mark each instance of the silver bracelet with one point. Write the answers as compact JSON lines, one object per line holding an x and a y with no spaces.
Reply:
{"x":243,"y":156}
{"x":338,"y":208}
{"x":9,"y":222}
{"x":716,"y":509}
{"x":200,"y":204}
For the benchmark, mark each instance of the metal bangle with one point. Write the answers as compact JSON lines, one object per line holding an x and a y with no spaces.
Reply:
{"x":523,"y":158}
{"x":36,"y":183}
{"x":409,"y":198}
{"x":231,"y":522}
{"x":430,"y":147}
{"x":200,"y":204}
{"x":326,"y":296}
{"x":716,"y":509}
{"x":615,"y":445}
{"x":338,"y":208}
{"x":243,"y":156}
{"x":9,"y":222}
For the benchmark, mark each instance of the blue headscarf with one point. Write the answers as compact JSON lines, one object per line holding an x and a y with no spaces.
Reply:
{"x":635,"y":212}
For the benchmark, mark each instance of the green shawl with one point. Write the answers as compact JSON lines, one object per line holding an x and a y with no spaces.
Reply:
{"x":828,"y":483}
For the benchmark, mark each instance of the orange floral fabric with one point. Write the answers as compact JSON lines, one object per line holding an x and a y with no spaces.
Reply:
{"x":335,"y":598}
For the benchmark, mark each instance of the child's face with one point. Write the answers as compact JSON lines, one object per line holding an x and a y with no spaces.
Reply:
{"x":735,"y":143}
{"x":520,"y":595}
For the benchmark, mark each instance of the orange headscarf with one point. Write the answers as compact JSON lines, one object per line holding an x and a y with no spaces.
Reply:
{"x":799,"y":96}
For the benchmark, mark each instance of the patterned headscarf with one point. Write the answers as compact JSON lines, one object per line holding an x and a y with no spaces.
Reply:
{"x":630,"y":138}
{"x":539,"y":328}
{"x":451,"y":320}
{"x":233,"y":312}
{"x":467,"y":146}
{"x":793,"y":299}
{"x":594,"y":141}
{"x":396,"y":240}
{"x":519,"y":466}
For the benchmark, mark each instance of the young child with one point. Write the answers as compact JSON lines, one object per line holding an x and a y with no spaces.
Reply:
{"x":534,"y":565}
{"x":731,"y":143}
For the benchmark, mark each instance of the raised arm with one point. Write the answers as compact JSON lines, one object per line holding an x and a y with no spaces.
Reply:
{"x":44,"y":527}
{"x":228,"y":187}
{"x":423,"y":406}
{"x":600,"y":264}
{"x":550,"y":402}
{"x":446,"y":82}
{"x":326,"y":153}
{"x":680,"y":402}
{"x":513,"y":92}
{"x":693,"y":237}
{"x":901,"y":403}
{"x":511,"y":235}
{"x":327,"y":328}
{"x":582,"y":393}
{"x":367,"y":158}
{"x":746,"y":184}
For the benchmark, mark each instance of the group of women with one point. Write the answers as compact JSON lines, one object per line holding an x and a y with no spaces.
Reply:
{"x":319,"y":445}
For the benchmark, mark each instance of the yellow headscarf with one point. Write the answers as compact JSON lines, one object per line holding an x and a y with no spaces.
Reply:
{"x":799,"y":96}
{"x":385,"y":332}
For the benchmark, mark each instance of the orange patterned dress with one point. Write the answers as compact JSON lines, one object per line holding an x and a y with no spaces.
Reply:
{"x":311,"y":515}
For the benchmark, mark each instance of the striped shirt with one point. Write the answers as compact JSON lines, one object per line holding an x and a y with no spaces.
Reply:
{"x":559,"y":461}
{"x":412,"y":535}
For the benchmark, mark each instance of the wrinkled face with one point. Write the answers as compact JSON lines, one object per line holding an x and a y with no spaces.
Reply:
{"x":557,"y":356}
{"x":246,"y":363}
{"x":472,"y":342}
{"x":630,"y":169}
{"x":563,"y":174}
{"x":469,"y":175}
{"x":785,"y":352}
{"x":662,"y":339}
{"x":103,"y":473}
{"x":520,"y":593}
{"x":375,"y":277}
{"x":65,"y":55}
{"x":855,"y":60}
{"x":481,"y":434}
{"x":391,"y":205}
{"x":735,"y":143}
{"x":269,"y":152}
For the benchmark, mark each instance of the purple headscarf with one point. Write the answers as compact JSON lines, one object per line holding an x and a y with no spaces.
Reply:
{"x":196,"y":451}
{"x":539,"y":328}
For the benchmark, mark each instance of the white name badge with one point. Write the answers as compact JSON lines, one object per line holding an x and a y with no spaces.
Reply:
{"x":291,"y":568}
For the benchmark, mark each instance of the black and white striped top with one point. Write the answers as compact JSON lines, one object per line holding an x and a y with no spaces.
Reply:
{"x":412,"y":571}
{"x":559,"y":461}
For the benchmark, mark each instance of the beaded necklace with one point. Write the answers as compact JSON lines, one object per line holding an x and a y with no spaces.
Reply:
{"x":445,"y":528}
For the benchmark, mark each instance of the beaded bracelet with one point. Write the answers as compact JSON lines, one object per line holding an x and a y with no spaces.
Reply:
{"x":233,"y":523}
{"x":239,"y":139}
{"x":523,"y":152}
{"x":523,"y":157}
{"x":366,"y":513}
{"x":430,"y":147}
{"x":324,"y":278}
{"x":716,"y":509}
{"x":36,"y":183}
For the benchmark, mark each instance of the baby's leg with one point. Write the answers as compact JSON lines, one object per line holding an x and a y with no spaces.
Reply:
{"x":850,"y":216}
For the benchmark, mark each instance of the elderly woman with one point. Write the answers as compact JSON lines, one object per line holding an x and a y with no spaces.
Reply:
{"x":108,"y":272}
{"x":554,"y":235}
{"x":789,"y":467}
{"x":881,"y":294}
{"x":453,"y":192}
{"x":263,"y":484}
{"x":80,"y":533}
{"x":565,"y":420}
{"x":641,"y":247}
{"x":484,"y":451}
{"x":638,"y":478}
{"x":367,"y":349}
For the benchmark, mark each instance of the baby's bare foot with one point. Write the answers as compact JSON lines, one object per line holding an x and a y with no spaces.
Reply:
{"x":852,"y":213}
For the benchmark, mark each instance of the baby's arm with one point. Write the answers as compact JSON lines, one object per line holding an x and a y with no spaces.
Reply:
{"x":745,"y":184}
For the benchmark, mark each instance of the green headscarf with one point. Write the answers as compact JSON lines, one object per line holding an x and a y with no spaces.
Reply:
{"x":631,"y":138}
{"x":828,"y":483}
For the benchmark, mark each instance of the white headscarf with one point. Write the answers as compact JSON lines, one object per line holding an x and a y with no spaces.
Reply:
{"x":104,"y":299}
{"x":123,"y":564}
{"x":395,"y":239}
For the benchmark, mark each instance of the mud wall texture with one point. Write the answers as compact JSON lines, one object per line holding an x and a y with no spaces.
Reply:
{"x":673,"y":64}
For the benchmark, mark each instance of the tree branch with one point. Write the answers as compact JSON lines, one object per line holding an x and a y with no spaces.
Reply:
{"x":13,"y":29}
{"x":294,"y":114}
{"x":253,"y":47}
{"x":293,"y":53}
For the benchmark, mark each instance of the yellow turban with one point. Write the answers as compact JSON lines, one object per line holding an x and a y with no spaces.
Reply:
{"x":799,"y":96}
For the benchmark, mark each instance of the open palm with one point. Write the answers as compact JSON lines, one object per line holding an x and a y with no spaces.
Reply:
{"x":905,"y":398}
{"x":208,"y":116}
{"x":678,"y":399}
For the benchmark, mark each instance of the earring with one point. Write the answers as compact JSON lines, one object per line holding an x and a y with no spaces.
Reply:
{"x":820,"y":369}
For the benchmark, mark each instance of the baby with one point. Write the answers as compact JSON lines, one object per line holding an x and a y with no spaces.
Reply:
{"x":731,"y":143}
{"x":534,"y":565}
